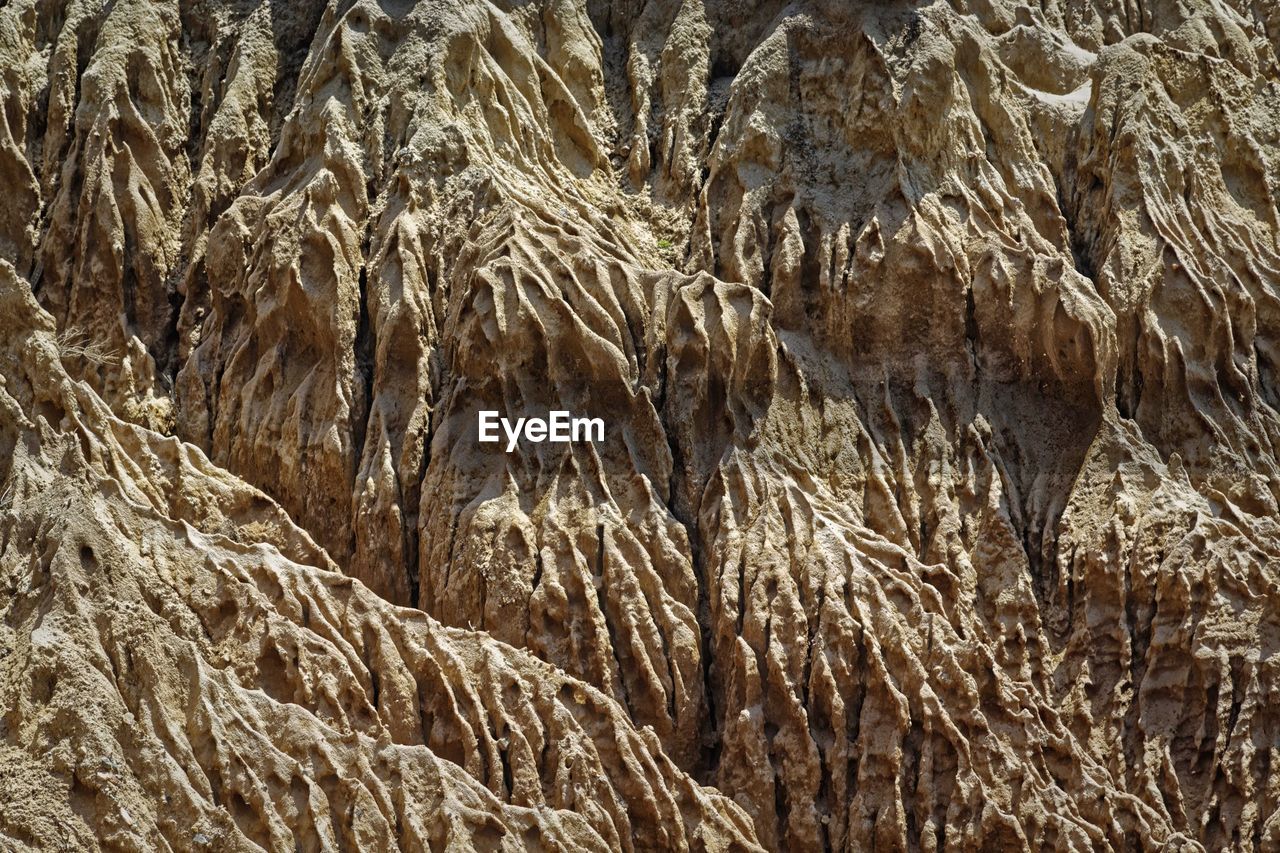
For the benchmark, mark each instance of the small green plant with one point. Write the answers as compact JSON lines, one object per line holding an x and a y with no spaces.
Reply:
{"x":664,"y":243}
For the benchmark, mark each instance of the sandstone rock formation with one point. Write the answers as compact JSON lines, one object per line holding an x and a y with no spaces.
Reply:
{"x":183,"y":669}
{"x":937,"y":346}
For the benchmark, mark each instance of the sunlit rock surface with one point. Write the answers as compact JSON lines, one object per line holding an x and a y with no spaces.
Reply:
{"x":938,"y":348}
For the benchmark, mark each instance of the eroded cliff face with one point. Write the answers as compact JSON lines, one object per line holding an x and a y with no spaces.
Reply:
{"x":937,"y":347}
{"x":183,"y":668}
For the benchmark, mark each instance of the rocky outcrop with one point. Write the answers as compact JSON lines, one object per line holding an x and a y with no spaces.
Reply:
{"x":182,"y":668}
{"x":936,"y":346}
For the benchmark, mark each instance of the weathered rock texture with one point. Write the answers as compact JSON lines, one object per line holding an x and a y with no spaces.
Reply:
{"x":938,"y":347}
{"x":181,"y":667}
